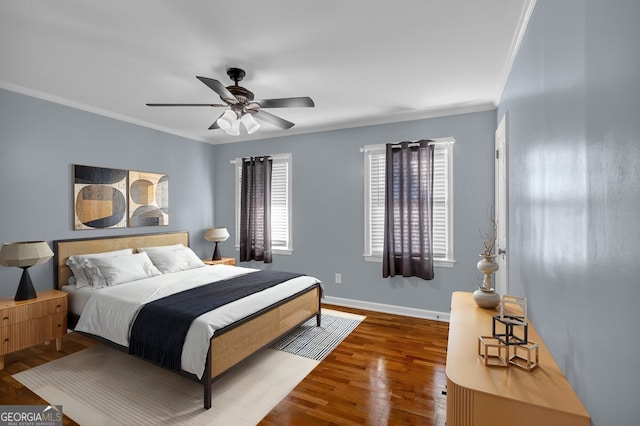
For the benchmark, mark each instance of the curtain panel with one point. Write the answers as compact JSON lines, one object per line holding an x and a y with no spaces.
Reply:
{"x":408,"y":239}
{"x":255,"y":209}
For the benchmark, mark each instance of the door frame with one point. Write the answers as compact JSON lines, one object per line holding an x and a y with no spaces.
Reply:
{"x":501,"y":207}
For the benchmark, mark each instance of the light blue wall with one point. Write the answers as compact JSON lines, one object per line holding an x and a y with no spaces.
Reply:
{"x":328,"y":206}
{"x":39,"y":142}
{"x":573,"y":99}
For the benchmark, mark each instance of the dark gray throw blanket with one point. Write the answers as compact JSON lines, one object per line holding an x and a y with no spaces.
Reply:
{"x":161,"y":326}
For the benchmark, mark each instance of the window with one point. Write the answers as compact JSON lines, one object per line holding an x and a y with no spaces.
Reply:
{"x":280,"y":203}
{"x":374,"y":175}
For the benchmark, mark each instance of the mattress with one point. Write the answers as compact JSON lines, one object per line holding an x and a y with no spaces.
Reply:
{"x":77,"y":298}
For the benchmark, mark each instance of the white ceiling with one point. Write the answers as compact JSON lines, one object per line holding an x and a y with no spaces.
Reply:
{"x":361,"y":61}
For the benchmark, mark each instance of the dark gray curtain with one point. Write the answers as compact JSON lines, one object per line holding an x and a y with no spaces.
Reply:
{"x":255,"y":209}
{"x":408,"y":220}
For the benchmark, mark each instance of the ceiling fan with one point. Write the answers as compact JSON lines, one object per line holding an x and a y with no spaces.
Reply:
{"x":243,"y":106}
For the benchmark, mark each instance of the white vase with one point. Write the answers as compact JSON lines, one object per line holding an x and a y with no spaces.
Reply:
{"x":486,"y":299}
{"x":487,"y":265}
{"x":485,"y":296}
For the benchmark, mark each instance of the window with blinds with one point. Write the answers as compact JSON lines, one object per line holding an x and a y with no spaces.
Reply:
{"x":374,"y":166}
{"x":280,"y":203}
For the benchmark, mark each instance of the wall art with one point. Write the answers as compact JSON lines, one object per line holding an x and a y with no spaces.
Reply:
{"x":148,"y":199}
{"x":100,"y":199}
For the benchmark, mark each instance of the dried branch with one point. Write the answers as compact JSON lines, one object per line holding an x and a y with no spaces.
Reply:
{"x":490,"y":236}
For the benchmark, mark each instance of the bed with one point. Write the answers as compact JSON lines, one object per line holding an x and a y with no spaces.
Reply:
{"x":217,"y":340}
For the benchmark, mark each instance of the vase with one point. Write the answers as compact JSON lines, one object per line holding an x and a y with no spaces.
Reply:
{"x":486,"y":299}
{"x":487,"y":265}
{"x":485,"y":296}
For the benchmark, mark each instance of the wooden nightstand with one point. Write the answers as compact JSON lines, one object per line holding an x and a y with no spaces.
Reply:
{"x":224,"y":261}
{"x":32,"y":322}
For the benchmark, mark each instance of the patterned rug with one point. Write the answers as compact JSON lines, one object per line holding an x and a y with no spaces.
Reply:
{"x":317,"y":342}
{"x":103,"y":386}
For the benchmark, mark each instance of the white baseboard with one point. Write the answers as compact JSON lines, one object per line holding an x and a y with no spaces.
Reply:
{"x":388,"y":309}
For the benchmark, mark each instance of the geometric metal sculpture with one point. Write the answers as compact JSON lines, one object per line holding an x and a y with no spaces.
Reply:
{"x":493,"y":352}
{"x":507,"y":335}
{"x":525,"y":356}
{"x":514,"y":300}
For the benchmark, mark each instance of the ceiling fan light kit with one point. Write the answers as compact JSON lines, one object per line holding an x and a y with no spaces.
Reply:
{"x":226,"y":120}
{"x":250,"y":123}
{"x":230,"y":125}
{"x":242,"y":106}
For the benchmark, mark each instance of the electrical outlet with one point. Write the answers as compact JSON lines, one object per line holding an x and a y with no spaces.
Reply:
{"x":338,"y":278}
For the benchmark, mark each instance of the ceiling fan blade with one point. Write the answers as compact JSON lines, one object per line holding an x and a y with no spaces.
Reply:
{"x":186,"y":105}
{"x":215,"y":123}
{"x":219,"y":88}
{"x":286,"y":102}
{"x":276,"y":121}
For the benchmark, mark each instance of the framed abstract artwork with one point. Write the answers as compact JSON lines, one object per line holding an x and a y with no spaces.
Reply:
{"x":99,"y":197}
{"x":148,"y":199}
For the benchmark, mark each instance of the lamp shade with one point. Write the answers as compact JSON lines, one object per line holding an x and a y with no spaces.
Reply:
{"x":227,"y":120}
{"x":250,"y":123}
{"x":25,"y":253}
{"x":235,"y":128}
{"x":216,"y":234}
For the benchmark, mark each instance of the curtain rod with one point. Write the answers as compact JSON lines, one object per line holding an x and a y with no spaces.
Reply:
{"x":432,"y":141}
{"x":273,"y":157}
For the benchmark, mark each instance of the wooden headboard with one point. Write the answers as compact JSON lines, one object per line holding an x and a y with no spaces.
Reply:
{"x":62,"y":249}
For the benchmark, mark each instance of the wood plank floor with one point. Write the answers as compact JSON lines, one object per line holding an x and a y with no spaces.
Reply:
{"x":389,"y":371}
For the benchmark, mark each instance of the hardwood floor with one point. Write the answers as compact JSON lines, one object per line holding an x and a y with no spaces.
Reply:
{"x":389,"y":371}
{"x":13,"y":392}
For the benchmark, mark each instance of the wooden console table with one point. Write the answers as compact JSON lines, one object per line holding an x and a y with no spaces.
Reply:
{"x":478,"y":395}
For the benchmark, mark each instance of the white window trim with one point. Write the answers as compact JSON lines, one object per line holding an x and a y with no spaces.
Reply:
{"x":287,"y":157}
{"x":448,"y":262}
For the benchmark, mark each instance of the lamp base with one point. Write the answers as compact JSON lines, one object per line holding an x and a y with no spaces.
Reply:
{"x":25,"y":288}
{"x":216,"y":253}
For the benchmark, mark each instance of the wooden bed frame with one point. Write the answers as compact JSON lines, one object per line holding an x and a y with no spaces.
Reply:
{"x":230,"y":345}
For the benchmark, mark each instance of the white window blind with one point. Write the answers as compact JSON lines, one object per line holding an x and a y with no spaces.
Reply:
{"x":442,"y":203}
{"x":280,"y":203}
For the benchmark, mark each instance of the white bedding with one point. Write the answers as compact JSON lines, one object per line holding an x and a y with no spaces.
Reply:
{"x":110,"y":311}
{"x":77,"y":297}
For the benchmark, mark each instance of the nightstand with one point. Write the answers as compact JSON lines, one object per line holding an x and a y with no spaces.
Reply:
{"x":32,"y":322}
{"x":224,"y":261}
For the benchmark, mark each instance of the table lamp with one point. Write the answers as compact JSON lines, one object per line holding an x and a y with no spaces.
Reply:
{"x":24,"y":255}
{"x":216,"y":235}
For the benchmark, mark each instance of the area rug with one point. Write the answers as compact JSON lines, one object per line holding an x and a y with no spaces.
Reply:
{"x":317,"y":342}
{"x":103,"y":386}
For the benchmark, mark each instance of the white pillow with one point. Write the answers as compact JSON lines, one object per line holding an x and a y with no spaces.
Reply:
{"x":175,"y":261}
{"x":171,"y":247}
{"x":76,"y":263}
{"x":112,"y":271}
